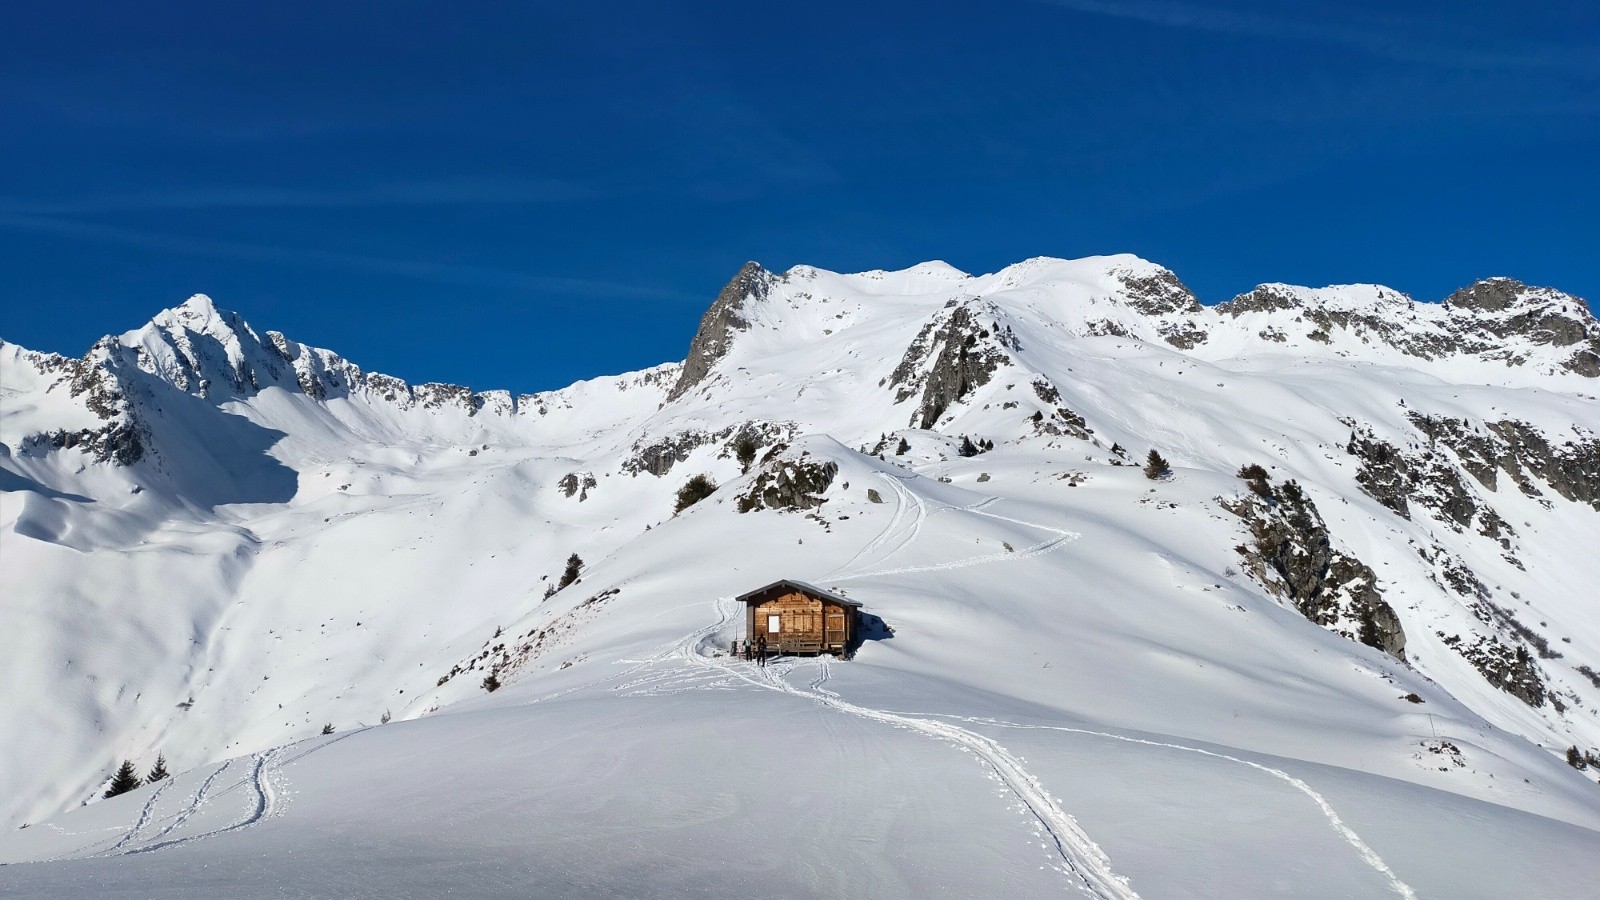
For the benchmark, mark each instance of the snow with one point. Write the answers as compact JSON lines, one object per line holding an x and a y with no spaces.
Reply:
{"x":1081,"y":693}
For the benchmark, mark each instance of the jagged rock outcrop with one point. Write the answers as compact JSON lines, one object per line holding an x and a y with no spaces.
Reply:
{"x":719,"y":323}
{"x":579,"y":484}
{"x":1511,"y":669}
{"x":953,"y":355}
{"x":1159,"y":293}
{"x":1398,"y":478}
{"x":788,"y":481}
{"x":1292,"y":555}
{"x":658,"y":457}
{"x":1507,"y":307}
{"x":1521,"y":451}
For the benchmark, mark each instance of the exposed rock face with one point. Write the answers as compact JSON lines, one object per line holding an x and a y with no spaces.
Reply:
{"x":1506,"y":308}
{"x":1512,"y":670}
{"x":658,"y":457}
{"x":579,"y":484}
{"x":1495,"y":319}
{"x":1158,"y":293}
{"x":95,"y":380}
{"x":1293,"y":557}
{"x":717,"y":326}
{"x":1265,"y":298}
{"x":1397,"y":479}
{"x":1522,"y":452}
{"x":788,"y":482}
{"x":952,"y":356}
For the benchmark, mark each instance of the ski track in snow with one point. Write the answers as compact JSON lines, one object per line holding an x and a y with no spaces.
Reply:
{"x":196,"y":800}
{"x":264,"y":781}
{"x":142,"y":821}
{"x":906,"y":498}
{"x":1087,"y":864}
{"x":260,"y":808}
{"x":1368,"y":855}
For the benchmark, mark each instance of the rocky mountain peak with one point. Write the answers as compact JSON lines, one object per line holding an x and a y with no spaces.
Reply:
{"x":1488,"y":295}
{"x":1155,"y":290}
{"x":720,"y":321}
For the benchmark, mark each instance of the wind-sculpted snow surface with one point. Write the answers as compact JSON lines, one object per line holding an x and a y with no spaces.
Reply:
{"x":215,"y":540}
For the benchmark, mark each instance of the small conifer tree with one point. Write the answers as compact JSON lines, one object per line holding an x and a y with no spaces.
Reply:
{"x":697,"y":488}
{"x":574,"y":566}
{"x":328,"y":728}
{"x":491,"y":683}
{"x":744,"y":449}
{"x":903,"y":448}
{"x":1155,"y":466}
{"x":124,"y":781}
{"x":157,"y":771}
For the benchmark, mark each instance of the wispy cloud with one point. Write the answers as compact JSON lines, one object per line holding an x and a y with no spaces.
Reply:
{"x":443,"y":192}
{"x":441,"y":273}
{"x":1401,"y":40}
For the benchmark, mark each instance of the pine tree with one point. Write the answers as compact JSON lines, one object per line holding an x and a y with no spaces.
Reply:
{"x":744,"y":449}
{"x":1155,"y":467}
{"x":967,"y":448}
{"x":697,"y":488}
{"x":157,"y":771}
{"x":491,"y":683}
{"x":328,"y":728}
{"x":574,"y":566}
{"x":905,"y":447}
{"x":124,"y":781}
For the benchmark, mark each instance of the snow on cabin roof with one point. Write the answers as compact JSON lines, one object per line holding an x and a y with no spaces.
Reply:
{"x":800,"y":586}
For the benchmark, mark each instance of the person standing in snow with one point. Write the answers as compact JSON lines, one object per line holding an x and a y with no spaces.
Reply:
{"x":761,"y":650}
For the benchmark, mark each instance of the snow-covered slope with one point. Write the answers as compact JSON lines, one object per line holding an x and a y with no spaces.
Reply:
{"x":1361,"y":599}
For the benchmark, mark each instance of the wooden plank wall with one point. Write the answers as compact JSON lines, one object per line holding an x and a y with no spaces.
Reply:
{"x":801,"y":622}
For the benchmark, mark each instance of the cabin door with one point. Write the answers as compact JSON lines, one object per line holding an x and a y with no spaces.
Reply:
{"x":836,"y":630}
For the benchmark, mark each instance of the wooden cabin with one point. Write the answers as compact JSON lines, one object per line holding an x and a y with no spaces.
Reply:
{"x":796,"y":617}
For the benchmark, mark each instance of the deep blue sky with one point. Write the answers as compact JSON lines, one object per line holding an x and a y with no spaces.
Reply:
{"x":520,"y":195}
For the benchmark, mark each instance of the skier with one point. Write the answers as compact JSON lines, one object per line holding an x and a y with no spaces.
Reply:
{"x":761,"y":650}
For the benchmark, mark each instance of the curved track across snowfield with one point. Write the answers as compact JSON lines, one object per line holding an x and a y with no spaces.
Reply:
{"x":1062,"y":536}
{"x":1088,"y":865}
{"x":1368,"y":855}
{"x":142,"y":821}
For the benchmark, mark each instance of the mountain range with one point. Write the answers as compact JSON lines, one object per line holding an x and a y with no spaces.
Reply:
{"x":1290,"y":593}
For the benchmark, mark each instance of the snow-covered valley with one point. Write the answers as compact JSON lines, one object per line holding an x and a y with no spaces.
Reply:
{"x":1341,"y":648}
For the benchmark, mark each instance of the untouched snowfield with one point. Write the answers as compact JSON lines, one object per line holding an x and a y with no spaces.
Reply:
{"x":1079,"y":685}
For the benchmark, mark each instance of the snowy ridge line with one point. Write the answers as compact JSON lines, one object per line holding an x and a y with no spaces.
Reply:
{"x":1368,"y":855}
{"x":1083,"y":857}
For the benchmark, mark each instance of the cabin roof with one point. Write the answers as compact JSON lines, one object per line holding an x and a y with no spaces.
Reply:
{"x":803,"y":587}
